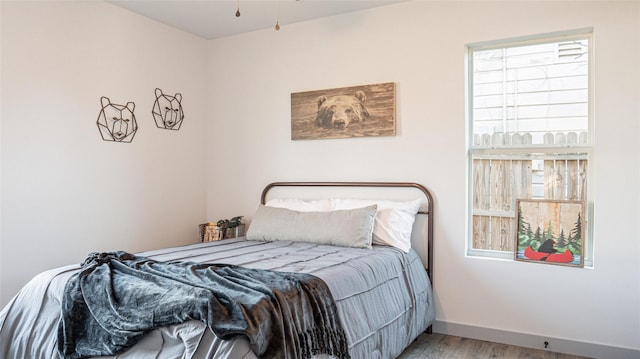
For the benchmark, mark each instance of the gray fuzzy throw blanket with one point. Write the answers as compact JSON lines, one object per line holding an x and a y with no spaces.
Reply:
{"x":117,"y":297}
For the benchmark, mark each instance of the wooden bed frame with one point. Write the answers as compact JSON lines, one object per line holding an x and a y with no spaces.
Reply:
{"x":398,"y":185}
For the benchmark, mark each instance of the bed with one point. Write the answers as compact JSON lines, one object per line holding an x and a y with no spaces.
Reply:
{"x":382,"y":292}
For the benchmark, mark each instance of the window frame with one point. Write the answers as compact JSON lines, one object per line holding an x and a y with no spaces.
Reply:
{"x":534,"y":151}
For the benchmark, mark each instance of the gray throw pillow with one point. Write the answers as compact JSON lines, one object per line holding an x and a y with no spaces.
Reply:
{"x":346,"y":228}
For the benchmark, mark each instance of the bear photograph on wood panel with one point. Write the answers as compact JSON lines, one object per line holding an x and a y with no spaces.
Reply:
{"x":358,"y":111}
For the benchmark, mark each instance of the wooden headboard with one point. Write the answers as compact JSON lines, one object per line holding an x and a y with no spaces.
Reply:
{"x":422,"y":237}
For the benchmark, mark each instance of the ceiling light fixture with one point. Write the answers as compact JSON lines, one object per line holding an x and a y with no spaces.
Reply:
{"x":277,"y":27}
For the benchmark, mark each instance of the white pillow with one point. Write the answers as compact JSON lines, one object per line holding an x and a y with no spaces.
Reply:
{"x":295,"y":204}
{"x":394,"y":219}
{"x":346,"y":228}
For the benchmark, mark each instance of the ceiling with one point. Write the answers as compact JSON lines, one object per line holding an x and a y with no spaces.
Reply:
{"x":212,"y":19}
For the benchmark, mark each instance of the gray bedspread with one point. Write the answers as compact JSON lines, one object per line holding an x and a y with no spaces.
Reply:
{"x":117,"y":297}
{"x":383,"y":297}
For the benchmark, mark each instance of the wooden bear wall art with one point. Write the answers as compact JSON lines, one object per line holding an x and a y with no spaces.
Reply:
{"x":116,"y":122}
{"x":167,"y":111}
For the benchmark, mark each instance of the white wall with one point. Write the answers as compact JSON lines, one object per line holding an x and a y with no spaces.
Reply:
{"x":66,"y":192}
{"x":59,"y":58}
{"x":421,"y":47}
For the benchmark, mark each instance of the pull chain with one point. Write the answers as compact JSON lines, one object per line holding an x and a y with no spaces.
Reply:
{"x":277,"y":15}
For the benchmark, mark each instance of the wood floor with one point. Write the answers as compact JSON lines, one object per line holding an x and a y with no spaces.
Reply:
{"x":450,"y":347}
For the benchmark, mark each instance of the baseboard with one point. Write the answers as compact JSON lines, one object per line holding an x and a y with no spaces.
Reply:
{"x":558,"y":345}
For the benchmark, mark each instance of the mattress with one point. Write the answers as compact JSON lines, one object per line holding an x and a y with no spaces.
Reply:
{"x":383,"y":297}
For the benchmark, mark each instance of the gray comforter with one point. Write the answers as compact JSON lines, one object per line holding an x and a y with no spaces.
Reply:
{"x":383,"y":297}
{"x":117,"y":297}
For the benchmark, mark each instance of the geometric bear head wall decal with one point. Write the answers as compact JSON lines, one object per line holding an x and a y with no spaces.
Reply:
{"x":167,"y":111}
{"x":117,"y":122}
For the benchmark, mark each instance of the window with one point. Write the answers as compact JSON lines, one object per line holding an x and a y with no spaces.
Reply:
{"x":530,"y":133}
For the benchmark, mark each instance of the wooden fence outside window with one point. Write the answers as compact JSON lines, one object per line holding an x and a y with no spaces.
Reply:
{"x":500,"y":179}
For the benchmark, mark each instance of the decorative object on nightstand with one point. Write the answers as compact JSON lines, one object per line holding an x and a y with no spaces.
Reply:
{"x":231,"y":228}
{"x":210,"y":232}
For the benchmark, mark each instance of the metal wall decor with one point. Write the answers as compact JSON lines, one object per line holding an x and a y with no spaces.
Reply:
{"x":117,"y":123}
{"x":167,"y":111}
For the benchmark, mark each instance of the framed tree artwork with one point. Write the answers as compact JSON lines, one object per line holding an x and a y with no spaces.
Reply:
{"x":550,"y":232}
